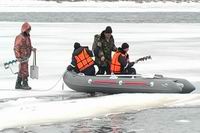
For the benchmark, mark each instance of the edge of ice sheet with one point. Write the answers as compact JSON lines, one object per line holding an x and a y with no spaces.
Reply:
{"x":60,"y":111}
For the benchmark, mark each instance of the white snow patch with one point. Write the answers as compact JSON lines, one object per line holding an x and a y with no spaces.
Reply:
{"x":183,"y":121}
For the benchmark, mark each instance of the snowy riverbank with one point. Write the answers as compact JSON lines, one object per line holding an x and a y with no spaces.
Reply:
{"x":91,"y":6}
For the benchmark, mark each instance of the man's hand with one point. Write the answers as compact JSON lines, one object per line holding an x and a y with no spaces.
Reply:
{"x":34,"y":49}
{"x":131,"y":64}
{"x":102,"y":58}
{"x":19,"y":60}
{"x":22,"y":60}
{"x":99,"y":44}
{"x":69,"y":68}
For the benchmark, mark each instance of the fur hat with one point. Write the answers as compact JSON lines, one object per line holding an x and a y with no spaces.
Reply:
{"x":108,"y":29}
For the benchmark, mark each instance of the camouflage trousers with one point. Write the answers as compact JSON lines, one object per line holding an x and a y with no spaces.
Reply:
{"x":23,"y":70}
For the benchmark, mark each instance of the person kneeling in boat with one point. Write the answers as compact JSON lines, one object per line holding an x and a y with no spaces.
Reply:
{"x":120,"y":61}
{"x":82,"y":61}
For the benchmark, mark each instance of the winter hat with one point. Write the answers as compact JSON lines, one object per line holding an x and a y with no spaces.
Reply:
{"x":25,"y":27}
{"x":76,"y":45}
{"x":108,"y":29}
{"x":125,"y":45}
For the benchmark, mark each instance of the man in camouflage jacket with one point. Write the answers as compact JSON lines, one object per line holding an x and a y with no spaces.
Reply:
{"x":103,"y":50}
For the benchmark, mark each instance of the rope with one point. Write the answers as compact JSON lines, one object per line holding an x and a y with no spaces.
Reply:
{"x":12,"y":71}
{"x":53,"y":86}
{"x":56,"y":83}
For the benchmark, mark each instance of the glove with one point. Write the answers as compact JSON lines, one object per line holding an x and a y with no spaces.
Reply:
{"x":99,"y":44}
{"x":19,"y":59}
{"x":34,"y":49}
{"x":102,"y":58}
{"x":69,"y":68}
{"x":131,"y":64}
{"x":22,"y":60}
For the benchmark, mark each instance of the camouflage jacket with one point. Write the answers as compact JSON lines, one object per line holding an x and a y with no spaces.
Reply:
{"x":104,"y":49}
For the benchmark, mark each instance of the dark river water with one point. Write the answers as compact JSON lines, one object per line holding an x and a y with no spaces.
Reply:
{"x":103,"y":17}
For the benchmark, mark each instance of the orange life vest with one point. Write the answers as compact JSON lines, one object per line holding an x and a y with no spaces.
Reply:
{"x":83,"y":60}
{"x":116,"y":65}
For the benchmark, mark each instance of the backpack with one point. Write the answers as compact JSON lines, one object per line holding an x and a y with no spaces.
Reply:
{"x":96,"y":40}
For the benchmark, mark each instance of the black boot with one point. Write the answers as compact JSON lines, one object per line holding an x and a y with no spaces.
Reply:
{"x":25,"y":85}
{"x":18,"y":84}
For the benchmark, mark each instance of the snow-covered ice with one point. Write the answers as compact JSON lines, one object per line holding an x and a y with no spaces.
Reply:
{"x":173,"y":47}
{"x":168,"y":44}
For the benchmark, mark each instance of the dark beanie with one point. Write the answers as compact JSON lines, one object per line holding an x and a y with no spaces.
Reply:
{"x":108,"y":29}
{"x":125,"y":45}
{"x":76,"y":45}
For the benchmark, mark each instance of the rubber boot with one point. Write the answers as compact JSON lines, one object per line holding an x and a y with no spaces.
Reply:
{"x":18,"y":84}
{"x":25,"y":85}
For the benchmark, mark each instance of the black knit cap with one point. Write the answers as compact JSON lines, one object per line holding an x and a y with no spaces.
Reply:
{"x":108,"y":29}
{"x":125,"y":45}
{"x":76,"y":45}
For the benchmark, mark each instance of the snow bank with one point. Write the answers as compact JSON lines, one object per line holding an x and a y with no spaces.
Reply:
{"x":25,"y":113}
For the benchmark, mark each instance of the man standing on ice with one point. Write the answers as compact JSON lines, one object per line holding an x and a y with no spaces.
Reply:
{"x":23,"y":49}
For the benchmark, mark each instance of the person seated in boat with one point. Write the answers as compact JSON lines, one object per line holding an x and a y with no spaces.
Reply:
{"x":82,"y":61}
{"x":120,"y":61}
